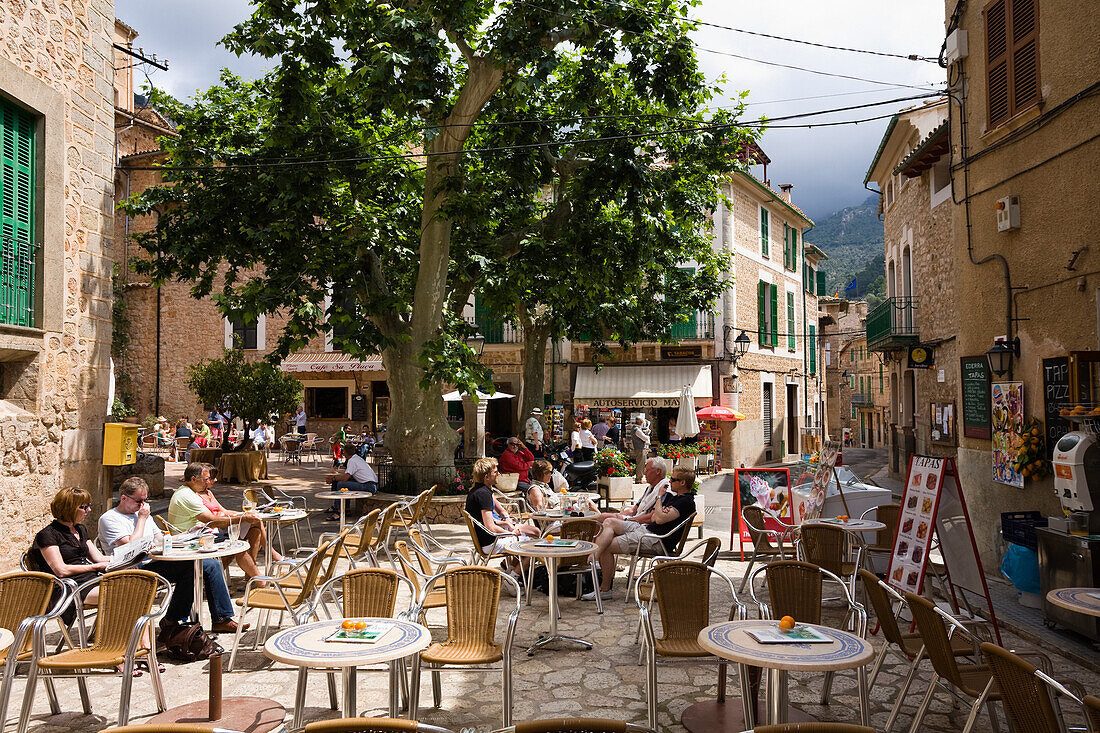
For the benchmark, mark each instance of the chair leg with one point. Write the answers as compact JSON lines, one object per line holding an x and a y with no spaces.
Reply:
{"x":925,"y":704}
{"x":414,"y":689}
{"x":651,"y":686}
{"x":157,"y":682}
{"x":237,"y":638}
{"x":127,"y":688}
{"x":85,"y":700}
{"x":437,"y":688}
{"x":904,"y":689}
{"x":506,"y":685}
{"x":28,"y":698}
{"x":748,"y":572}
{"x":879,"y":659}
{"x":977,"y":707}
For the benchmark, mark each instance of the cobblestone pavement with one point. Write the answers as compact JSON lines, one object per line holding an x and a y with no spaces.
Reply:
{"x":605,"y":681}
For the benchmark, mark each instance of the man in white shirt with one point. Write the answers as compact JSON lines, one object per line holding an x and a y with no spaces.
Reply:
{"x":358,"y":474}
{"x":532,"y":432}
{"x":642,"y":511}
{"x":300,"y":421}
{"x":260,"y":436}
{"x":129,"y":522}
{"x":639,"y":437}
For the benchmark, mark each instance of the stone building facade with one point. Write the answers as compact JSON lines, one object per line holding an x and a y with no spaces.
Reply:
{"x":857,"y":395}
{"x":56,"y":70}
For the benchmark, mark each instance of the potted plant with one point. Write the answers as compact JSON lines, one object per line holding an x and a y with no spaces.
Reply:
{"x":704,"y":454}
{"x":121,"y":412}
{"x":615,"y":472}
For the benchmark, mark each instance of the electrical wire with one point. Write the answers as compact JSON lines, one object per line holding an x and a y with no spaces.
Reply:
{"x":654,"y":13}
{"x":648,"y":134}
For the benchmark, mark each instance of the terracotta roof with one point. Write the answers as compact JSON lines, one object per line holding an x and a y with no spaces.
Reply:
{"x":927,"y":152}
{"x":776,"y":197}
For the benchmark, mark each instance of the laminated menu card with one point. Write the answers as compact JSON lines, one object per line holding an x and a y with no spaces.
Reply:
{"x":369,"y":634}
{"x":797,"y":635}
{"x":556,"y":543}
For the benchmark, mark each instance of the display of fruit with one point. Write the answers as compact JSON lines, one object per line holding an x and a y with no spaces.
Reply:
{"x":1030,"y":460}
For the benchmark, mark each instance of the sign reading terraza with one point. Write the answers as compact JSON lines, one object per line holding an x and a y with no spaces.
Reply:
{"x":631,"y":401}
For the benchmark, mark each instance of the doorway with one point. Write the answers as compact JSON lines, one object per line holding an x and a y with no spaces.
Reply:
{"x":792,"y":419}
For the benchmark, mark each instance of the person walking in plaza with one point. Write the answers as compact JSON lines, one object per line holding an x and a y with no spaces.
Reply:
{"x":532,"y":432}
{"x":217,"y":425}
{"x":639,"y":446}
{"x":587,"y":441}
{"x":195,"y":502}
{"x":517,"y":459}
{"x":623,"y":536}
{"x":129,"y":522}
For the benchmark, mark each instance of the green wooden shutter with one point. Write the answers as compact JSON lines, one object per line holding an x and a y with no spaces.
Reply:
{"x":786,"y":246}
{"x":812,"y":343}
{"x":775,"y":315}
{"x":880,"y":379}
{"x":761,"y":305}
{"x":790,"y":321}
{"x":17,"y":251}
{"x":821,"y":283}
{"x":794,"y":249}
{"x":763,"y":232}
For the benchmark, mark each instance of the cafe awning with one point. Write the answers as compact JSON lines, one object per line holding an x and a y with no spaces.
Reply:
{"x":331,"y":361}
{"x":657,"y":385}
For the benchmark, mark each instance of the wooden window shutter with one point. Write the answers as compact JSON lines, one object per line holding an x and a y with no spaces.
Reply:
{"x":1012,"y":57}
{"x":17,"y":199}
{"x":812,"y":344}
{"x":790,"y":321}
{"x":763,"y":232}
{"x":821,"y":283}
{"x":786,"y":246}
{"x":761,"y":305}
{"x":794,"y":249}
{"x":774,"y":310}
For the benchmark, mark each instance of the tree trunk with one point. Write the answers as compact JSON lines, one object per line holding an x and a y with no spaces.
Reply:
{"x":534,"y":370}
{"x":417,"y":433}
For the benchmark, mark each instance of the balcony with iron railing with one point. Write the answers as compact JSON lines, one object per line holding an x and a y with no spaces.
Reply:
{"x":17,"y":282}
{"x":696,"y":325}
{"x":496,"y":331}
{"x":862,"y":399}
{"x":893,"y":323}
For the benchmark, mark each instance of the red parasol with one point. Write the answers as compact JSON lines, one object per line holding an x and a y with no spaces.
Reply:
{"x":718,"y":412}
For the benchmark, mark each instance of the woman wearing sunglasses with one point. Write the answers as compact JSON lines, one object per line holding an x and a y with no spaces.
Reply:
{"x":64,"y":547}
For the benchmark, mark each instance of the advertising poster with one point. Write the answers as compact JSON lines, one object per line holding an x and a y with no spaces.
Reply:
{"x":915,"y":524}
{"x":765,"y":487}
{"x":1007,"y":408}
{"x":809,"y":506}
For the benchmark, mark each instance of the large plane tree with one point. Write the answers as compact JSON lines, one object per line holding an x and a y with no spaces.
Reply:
{"x":345,"y":190}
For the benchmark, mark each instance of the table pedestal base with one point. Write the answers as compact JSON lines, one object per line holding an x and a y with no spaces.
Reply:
{"x":246,"y":714}
{"x":713,"y":716}
{"x":544,"y":640}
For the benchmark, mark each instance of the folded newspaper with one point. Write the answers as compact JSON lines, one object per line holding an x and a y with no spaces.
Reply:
{"x":130,"y":554}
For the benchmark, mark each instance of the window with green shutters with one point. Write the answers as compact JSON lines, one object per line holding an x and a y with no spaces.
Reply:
{"x":821,"y":283}
{"x":491,"y":328}
{"x":811,"y":344}
{"x":790,"y":248}
{"x":763,"y":232}
{"x":790,"y":321}
{"x":767,"y":304}
{"x":17,"y":248}
{"x":880,"y":380}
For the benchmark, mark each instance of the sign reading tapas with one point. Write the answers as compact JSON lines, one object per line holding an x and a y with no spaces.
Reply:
{"x":916,"y":523}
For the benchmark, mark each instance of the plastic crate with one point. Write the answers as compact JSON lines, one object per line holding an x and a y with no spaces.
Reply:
{"x":1019,"y":527}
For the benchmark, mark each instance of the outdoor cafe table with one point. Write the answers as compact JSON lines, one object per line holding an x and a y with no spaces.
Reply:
{"x":1080,"y":600}
{"x":343,"y":497}
{"x":242,"y":467}
{"x":852,"y":525}
{"x":222,"y":549}
{"x":546,"y":518}
{"x":206,"y":455}
{"x":6,"y":638}
{"x":551,"y":556}
{"x":729,"y":640}
{"x":305,"y":647}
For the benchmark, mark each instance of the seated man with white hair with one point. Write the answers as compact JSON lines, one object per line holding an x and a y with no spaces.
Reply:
{"x":642,"y":510}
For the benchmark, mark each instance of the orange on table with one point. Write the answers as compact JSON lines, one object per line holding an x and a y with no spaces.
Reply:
{"x":360,"y":625}
{"x":347,"y":624}
{"x":549,"y":538}
{"x":786,"y":623}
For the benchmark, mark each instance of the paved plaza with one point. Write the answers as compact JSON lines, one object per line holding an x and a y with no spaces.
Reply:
{"x":606,"y":681}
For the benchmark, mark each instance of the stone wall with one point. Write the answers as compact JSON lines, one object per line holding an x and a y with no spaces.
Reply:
{"x":56,"y":62}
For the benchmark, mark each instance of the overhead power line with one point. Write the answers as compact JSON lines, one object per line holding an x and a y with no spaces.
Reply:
{"x":647,"y":134}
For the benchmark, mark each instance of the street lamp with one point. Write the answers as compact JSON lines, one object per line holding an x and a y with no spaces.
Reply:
{"x":740,"y":344}
{"x":476,"y":343}
{"x":1000,"y":356}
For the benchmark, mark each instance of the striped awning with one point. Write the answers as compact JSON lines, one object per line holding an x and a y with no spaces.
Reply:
{"x":657,"y":385}
{"x":331,"y":361}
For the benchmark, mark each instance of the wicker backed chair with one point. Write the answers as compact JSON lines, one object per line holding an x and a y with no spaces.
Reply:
{"x":181,"y":448}
{"x":289,"y":592}
{"x":586,"y":531}
{"x":972,"y":680}
{"x":1028,"y":694}
{"x":359,"y":544}
{"x":833,"y":548}
{"x":682,"y":589}
{"x":25,"y":603}
{"x":645,"y":552}
{"x":413,"y":515}
{"x":380,"y":542}
{"x":420,"y":566}
{"x":884,"y":539}
{"x":754,"y":518}
{"x":480,"y":556}
{"x":334,"y":550}
{"x":707,"y":551}
{"x":888,"y":605}
{"x":473,"y":600}
{"x":795,"y":589}
{"x":1092,"y":712}
{"x":371,"y":725}
{"x":130,"y":604}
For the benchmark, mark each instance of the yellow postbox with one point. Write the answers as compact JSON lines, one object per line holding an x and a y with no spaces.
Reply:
{"x":120,"y":444}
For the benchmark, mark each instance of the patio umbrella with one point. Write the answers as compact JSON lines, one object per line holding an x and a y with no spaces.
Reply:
{"x":687,"y":424}
{"x":456,"y":396}
{"x":719,"y":412}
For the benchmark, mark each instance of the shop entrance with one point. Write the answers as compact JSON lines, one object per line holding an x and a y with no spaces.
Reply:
{"x":792,"y":418}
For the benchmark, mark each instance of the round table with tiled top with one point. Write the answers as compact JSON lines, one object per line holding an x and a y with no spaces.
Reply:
{"x":730,"y":640}
{"x":305,"y":647}
{"x":273,"y":521}
{"x":546,"y":518}
{"x":551,"y":556}
{"x":343,"y":497}
{"x":1079,"y":600}
{"x":6,"y":638}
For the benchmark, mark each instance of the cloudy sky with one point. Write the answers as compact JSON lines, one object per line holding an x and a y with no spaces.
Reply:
{"x":825,"y":164}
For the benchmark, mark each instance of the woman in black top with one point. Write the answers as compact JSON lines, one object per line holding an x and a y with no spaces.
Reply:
{"x":63,"y":547}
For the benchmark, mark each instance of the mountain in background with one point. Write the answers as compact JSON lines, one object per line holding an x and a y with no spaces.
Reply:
{"x":854,"y":240}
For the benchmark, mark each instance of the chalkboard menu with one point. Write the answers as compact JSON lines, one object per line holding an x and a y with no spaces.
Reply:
{"x":1056,"y":395}
{"x":975,"y":396}
{"x":359,"y":411}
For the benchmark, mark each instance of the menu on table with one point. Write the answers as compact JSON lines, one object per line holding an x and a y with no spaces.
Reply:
{"x":916,"y":523}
